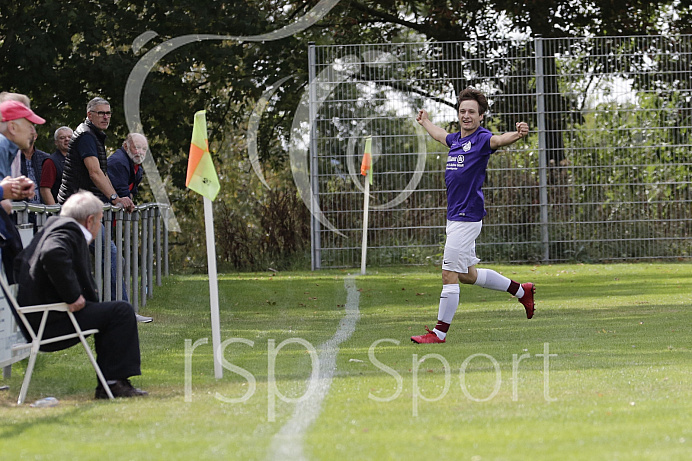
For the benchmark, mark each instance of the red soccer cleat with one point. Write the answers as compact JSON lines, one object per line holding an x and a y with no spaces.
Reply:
{"x":428,"y":338}
{"x":527,"y":299}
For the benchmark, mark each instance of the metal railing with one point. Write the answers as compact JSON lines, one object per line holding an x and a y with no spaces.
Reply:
{"x":140,"y":238}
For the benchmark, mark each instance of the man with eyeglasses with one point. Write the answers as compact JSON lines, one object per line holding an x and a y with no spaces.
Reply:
{"x":86,"y":164}
{"x":86,"y":168}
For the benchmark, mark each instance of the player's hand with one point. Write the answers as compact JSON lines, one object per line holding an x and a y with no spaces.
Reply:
{"x":422,"y":116}
{"x":522,"y":129}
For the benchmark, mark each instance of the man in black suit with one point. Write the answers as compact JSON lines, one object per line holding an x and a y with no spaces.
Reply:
{"x":56,"y":267}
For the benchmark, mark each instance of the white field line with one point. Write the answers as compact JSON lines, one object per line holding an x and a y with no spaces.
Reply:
{"x":287,"y":444}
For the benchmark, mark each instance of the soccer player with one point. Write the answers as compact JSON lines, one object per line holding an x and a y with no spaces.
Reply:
{"x":467,"y":161}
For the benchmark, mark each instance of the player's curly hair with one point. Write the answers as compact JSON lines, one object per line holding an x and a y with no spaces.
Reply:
{"x":472,"y":94}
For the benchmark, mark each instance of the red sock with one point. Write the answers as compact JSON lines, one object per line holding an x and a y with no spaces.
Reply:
{"x":513,"y":288}
{"x":441,"y":326}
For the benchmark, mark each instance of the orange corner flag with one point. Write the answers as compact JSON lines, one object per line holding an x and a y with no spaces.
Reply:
{"x":201,"y":174}
{"x":366,"y":164}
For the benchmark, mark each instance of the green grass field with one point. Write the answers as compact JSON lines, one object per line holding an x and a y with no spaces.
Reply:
{"x":602,"y":372}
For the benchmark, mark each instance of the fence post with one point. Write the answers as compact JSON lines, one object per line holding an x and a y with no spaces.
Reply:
{"x":150,"y":255}
{"x":165,"y":241}
{"x":127,"y":247}
{"x":135,"y":259}
{"x":106,"y":247}
{"x":158,"y":245}
{"x":145,"y":245}
{"x":542,"y":149}
{"x":119,"y":255}
{"x":314,"y":178}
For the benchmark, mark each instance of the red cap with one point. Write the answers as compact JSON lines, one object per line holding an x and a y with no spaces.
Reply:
{"x":13,"y":110}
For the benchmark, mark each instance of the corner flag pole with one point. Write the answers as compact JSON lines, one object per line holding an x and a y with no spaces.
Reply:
{"x":202,"y":178}
{"x":366,"y":170}
{"x":213,"y":287}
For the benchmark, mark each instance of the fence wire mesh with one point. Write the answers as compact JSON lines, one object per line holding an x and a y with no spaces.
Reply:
{"x":604,"y":175}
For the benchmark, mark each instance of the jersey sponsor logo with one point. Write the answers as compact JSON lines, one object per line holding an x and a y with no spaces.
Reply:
{"x":454,"y":163}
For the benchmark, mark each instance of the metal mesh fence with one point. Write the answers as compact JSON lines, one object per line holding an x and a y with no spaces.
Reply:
{"x":604,"y":175}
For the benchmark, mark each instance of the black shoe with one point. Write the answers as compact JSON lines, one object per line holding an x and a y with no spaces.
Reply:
{"x":121,"y":388}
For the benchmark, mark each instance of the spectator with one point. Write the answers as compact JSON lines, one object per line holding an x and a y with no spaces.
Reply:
{"x":16,"y":132}
{"x":31,"y":166}
{"x":86,"y":162}
{"x":56,"y":267}
{"x":15,"y":169}
{"x":51,"y":176}
{"x":125,"y":165}
{"x":19,"y":188}
{"x":86,"y":168}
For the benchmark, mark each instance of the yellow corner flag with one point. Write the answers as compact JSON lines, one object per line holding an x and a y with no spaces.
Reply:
{"x":366,"y":164}
{"x":201,"y":174}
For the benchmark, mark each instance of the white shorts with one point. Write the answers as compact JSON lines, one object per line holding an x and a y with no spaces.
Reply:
{"x":460,"y":246}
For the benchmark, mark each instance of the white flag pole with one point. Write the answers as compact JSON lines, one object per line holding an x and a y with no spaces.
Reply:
{"x":366,"y":207}
{"x":213,"y":287}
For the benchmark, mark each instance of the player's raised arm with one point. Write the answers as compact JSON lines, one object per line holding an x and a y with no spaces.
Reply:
{"x":501,"y":140}
{"x":437,"y":133}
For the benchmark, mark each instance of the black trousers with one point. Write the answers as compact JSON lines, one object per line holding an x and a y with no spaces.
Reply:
{"x":117,"y":342}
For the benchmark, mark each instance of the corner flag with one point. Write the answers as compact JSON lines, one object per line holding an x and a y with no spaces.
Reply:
{"x":201,"y":178}
{"x":366,"y":164}
{"x":201,"y":175}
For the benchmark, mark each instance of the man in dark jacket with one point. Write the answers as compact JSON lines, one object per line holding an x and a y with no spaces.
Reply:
{"x":51,"y":176}
{"x":85,"y":165}
{"x":56,"y":267}
{"x":32,"y":166}
{"x":125,"y":165}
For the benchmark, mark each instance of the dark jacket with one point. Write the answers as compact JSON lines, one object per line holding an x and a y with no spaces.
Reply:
{"x":59,"y":161}
{"x":37,"y":162}
{"x":56,"y":266}
{"x":76,"y":175}
{"x":121,"y":171}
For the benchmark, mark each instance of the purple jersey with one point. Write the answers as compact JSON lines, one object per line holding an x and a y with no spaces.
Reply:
{"x":465,"y":173}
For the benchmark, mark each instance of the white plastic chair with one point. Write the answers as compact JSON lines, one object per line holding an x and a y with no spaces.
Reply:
{"x":36,"y":340}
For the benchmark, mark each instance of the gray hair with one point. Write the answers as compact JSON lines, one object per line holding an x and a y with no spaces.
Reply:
{"x":62,"y":128}
{"x":81,"y":205}
{"x":7,"y":96}
{"x":97,"y":101}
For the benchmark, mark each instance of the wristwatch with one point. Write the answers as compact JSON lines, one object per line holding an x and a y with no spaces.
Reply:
{"x":113,"y":197}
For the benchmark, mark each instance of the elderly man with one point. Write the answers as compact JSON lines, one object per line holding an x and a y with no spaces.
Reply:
{"x":51,"y":176}
{"x":125,"y":165}
{"x":56,"y":267}
{"x":16,"y":132}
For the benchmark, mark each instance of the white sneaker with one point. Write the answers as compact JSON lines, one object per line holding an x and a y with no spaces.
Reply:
{"x":143,"y":319}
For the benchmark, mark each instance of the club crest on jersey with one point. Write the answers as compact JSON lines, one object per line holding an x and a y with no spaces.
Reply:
{"x":466,"y":146}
